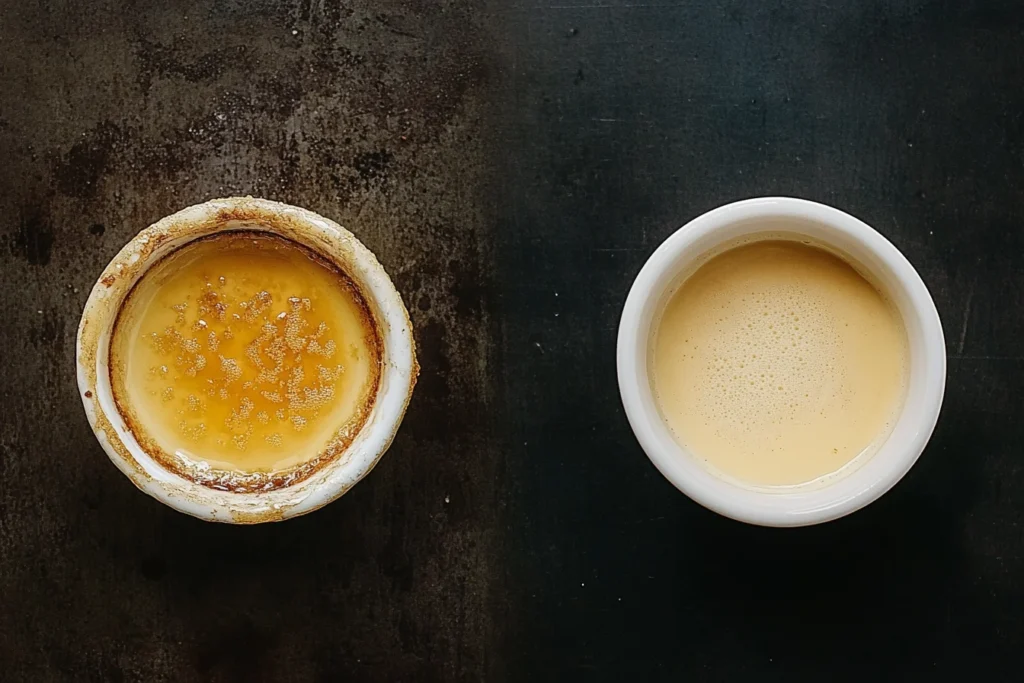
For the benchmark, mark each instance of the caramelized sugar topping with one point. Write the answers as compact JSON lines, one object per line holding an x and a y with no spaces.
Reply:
{"x":245,"y":361}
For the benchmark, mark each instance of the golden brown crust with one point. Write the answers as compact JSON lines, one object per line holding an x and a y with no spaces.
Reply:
{"x":228,"y":480}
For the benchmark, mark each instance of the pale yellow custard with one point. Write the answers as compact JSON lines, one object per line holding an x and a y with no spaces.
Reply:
{"x":778,"y":364}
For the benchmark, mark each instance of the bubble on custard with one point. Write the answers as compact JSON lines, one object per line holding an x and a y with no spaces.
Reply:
{"x":326,"y":350}
{"x":294,"y":323}
{"x":241,"y":441}
{"x":769,"y":364}
{"x":231,"y":370}
{"x":326,"y":374}
{"x":256,"y":306}
{"x":246,"y":408}
{"x":192,"y":432}
{"x":180,"y":309}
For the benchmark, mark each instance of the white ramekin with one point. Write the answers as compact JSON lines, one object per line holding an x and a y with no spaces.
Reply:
{"x":398,"y":363}
{"x":815,"y":502}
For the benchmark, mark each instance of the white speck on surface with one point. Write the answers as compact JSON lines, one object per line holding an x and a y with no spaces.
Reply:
{"x":295,"y":32}
{"x":447,"y":499}
{"x":39,"y":312}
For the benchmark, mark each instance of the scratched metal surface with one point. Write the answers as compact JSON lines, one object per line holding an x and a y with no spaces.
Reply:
{"x":512,"y":164}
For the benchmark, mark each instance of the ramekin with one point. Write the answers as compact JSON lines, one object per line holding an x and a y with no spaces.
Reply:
{"x":399,"y":368}
{"x":869,"y":251}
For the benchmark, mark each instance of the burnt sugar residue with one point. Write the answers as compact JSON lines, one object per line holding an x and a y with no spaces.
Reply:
{"x":245,"y":360}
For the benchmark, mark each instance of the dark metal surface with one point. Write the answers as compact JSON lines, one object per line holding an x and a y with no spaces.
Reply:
{"x":512,"y":164}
